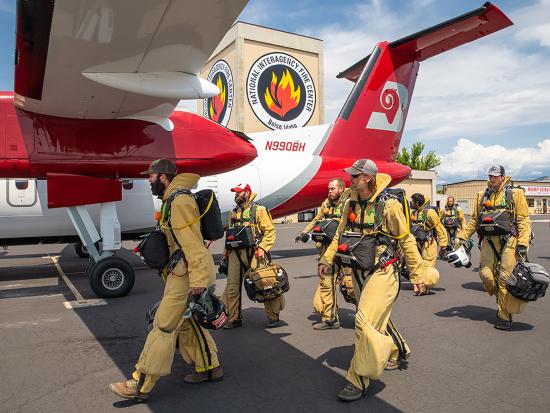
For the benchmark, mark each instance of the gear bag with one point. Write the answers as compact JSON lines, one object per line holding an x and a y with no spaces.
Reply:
{"x":154,"y":248}
{"x":266,"y":282}
{"x":324,"y":231}
{"x":242,"y":236}
{"x":528,"y":281}
{"x":356,"y":251}
{"x":495,"y":223}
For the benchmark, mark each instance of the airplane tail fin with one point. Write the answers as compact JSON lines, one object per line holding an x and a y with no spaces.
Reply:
{"x":371,"y":121}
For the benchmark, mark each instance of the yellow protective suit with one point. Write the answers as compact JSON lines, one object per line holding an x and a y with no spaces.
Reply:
{"x":428,"y":219}
{"x":197,"y":270}
{"x":264,"y":228}
{"x":325,"y":300}
{"x":495,"y":274}
{"x":373,"y":333}
{"x":453,"y":232}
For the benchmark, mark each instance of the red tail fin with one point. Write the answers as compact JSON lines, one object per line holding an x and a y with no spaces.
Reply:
{"x":372,"y":119}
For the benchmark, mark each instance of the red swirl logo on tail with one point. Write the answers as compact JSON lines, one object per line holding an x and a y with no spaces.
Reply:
{"x":389,"y":99}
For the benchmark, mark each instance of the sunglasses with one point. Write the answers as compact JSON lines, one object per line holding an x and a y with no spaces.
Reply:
{"x":355,"y":176}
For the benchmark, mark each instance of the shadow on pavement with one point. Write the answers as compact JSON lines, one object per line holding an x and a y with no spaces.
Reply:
{"x":478,"y":313}
{"x":261,"y":370}
{"x":474,"y":285}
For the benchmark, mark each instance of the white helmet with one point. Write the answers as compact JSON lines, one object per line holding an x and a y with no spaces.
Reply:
{"x":459,"y":257}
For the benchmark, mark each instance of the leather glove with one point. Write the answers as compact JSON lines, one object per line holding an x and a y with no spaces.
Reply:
{"x":467,"y":244}
{"x":522,"y":252}
{"x":443,"y":253}
{"x":297,"y":238}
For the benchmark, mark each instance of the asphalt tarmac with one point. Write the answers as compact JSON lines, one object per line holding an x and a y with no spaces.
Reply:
{"x":59,"y":359}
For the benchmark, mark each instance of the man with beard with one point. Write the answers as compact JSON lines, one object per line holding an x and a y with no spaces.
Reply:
{"x":325,"y":300}
{"x":256,"y":220}
{"x":452,"y":217}
{"x":372,"y":231}
{"x":189,"y":274}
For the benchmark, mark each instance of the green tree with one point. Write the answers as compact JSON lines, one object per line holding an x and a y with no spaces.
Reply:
{"x":415,"y":160}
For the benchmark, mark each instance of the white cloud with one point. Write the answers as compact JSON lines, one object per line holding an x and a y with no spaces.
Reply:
{"x":469,"y":160}
{"x":479,"y":89}
{"x":533,"y":21}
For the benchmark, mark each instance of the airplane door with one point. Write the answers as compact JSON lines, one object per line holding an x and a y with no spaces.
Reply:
{"x":21,"y":192}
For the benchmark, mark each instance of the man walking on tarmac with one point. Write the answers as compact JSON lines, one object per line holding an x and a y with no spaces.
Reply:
{"x":324,"y":226}
{"x":426,"y":228}
{"x":504,"y":208}
{"x":452,"y":218}
{"x":255,"y":219}
{"x":372,"y":230}
{"x":192,"y":272}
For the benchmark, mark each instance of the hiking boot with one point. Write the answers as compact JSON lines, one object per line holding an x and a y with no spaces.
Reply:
{"x":272,"y":323}
{"x":326,"y":325}
{"x":216,"y":374}
{"x":503,"y":324}
{"x":391,"y":365}
{"x":350,"y":393}
{"x":128,"y":389}
{"x":233,"y":324}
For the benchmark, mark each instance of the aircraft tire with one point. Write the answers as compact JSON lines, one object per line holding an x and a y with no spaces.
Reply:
{"x":82,"y":251}
{"x":111,"y":277}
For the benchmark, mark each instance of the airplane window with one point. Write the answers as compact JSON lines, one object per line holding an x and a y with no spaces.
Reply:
{"x":22,"y":184}
{"x":127,"y":184}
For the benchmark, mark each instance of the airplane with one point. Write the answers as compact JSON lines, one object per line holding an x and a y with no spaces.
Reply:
{"x":293,"y":167}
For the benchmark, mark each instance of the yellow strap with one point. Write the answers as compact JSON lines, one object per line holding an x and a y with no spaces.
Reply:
{"x":163,"y":226}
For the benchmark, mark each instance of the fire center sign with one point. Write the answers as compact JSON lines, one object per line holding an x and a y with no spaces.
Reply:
{"x":218,"y":108}
{"x":280,"y":91}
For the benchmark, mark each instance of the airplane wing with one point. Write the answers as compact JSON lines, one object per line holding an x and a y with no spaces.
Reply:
{"x":442,"y":37}
{"x":107,"y":59}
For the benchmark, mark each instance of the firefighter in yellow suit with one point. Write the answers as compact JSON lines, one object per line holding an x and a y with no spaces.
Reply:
{"x":374,"y":344}
{"x":191,"y":275}
{"x":426,"y":228}
{"x":499,"y":253}
{"x":452,"y":218}
{"x":325,"y":300}
{"x":241,"y":260}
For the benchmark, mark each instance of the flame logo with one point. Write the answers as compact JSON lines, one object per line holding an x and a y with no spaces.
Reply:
{"x":281,"y":97}
{"x":217,"y":102}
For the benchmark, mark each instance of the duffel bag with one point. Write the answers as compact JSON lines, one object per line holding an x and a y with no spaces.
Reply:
{"x":266,"y":282}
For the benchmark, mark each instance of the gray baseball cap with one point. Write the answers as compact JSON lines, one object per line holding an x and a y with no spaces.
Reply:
{"x":161,"y":166}
{"x":362,"y":166}
{"x":496,"y":170}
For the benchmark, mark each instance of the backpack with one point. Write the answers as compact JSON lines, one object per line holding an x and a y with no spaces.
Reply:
{"x":154,"y":247}
{"x":209,"y":210}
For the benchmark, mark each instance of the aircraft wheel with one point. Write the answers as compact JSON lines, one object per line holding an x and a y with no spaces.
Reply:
{"x":111,"y":277}
{"x":82,"y":251}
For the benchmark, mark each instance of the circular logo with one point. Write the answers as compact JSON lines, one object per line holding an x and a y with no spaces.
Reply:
{"x":218,"y":108}
{"x":280,"y":91}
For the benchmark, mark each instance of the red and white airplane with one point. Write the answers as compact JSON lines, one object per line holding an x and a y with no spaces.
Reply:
{"x":115,"y":115}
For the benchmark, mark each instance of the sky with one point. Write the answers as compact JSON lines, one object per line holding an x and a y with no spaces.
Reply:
{"x":484,"y":102}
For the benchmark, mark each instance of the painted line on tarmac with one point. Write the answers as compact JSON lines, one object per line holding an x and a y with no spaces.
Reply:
{"x":80,"y":300}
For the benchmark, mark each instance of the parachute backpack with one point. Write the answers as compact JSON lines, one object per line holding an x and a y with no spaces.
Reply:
{"x":493,"y":219}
